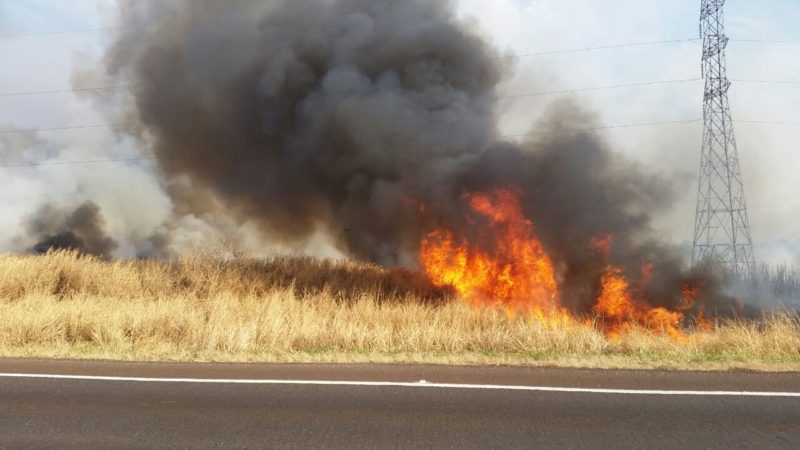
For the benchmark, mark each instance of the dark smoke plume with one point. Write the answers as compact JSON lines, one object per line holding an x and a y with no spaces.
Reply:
{"x":307,"y":115}
{"x":346,"y":115}
{"x":577,"y":189}
{"x":82,"y":229}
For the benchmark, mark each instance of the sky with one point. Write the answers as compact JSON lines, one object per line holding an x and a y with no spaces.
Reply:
{"x":38,"y":54}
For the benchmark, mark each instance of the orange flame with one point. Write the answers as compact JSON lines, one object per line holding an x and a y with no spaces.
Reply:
{"x":602,"y":245}
{"x":692,"y":300}
{"x":619,"y":309}
{"x":518,"y":274}
{"x":616,"y":305}
{"x":506,"y":265}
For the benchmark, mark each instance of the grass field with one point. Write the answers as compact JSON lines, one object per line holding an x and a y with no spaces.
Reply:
{"x":63,"y":305}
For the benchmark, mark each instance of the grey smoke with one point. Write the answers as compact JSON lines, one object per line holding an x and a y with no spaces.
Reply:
{"x":82,"y":229}
{"x":343,"y":116}
{"x":304,"y":115}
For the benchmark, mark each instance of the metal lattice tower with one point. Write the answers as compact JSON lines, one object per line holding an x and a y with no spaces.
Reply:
{"x":722,"y":229}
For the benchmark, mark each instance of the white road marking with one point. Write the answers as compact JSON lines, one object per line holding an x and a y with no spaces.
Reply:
{"x":425,"y":385}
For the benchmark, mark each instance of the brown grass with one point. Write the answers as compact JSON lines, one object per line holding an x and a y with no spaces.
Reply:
{"x":297,"y":309}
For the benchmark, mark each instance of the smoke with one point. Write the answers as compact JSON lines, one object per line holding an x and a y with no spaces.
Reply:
{"x":82,"y":229}
{"x":310,"y":116}
{"x":38,"y":177}
{"x":366,"y":121}
{"x":577,"y":189}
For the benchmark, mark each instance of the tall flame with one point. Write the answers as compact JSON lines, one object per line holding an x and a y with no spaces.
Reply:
{"x":507,"y":266}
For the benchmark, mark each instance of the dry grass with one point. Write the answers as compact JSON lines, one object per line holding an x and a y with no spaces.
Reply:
{"x":203,"y":309}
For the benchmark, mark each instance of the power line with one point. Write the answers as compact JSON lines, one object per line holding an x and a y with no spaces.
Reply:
{"x":600,"y":88}
{"x":66,"y":91}
{"x":79,"y":127}
{"x":520,"y":55}
{"x":514,"y":56}
{"x":766,"y":41}
{"x":61,"y":32}
{"x":532,"y":94}
{"x":75,"y":163}
{"x":47,"y":48}
{"x":603,"y":47}
{"x":766,"y":122}
{"x":121,"y":125}
{"x":633,"y":125}
{"x":611,"y":127}
{"x":767,"y":81}
{"x":533,"y":54}
{"x":648,"y":124}
{"x":566,"y":91}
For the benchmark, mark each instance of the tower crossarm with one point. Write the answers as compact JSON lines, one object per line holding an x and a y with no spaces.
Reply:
{"x":710,"y":8}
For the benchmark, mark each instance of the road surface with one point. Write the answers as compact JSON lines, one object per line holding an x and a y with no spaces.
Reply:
{"x":134,"y":405}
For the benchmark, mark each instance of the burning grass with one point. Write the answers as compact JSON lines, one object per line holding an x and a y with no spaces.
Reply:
{"x":298,"y":309}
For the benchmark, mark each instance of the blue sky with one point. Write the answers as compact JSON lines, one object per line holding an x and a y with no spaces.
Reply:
{"x":771,"y":162}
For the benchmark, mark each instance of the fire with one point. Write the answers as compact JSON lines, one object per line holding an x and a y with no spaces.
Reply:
{"x":615,"y":298}
{"x":602,"y":245}
{"x":619,"y":308}
{"x":506,"y":266}
{"x":692,"y":300}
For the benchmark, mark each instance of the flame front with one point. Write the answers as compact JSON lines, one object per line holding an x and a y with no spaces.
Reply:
{"x":506,"y":266}
{"x":503,"y":263}
{"x":619,"y":309}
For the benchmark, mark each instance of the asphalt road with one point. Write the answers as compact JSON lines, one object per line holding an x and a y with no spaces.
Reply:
{"x":135,"y":413}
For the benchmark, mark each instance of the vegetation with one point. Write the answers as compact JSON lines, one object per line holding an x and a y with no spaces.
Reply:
{"x":297,"y":309}
{"x":774,"y":284}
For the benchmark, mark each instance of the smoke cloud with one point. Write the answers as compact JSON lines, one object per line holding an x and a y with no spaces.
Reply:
{"x":307,"y":115}
{"x":82,"y":229}
{"x":366,"y":120}
{"x":577,"y":189}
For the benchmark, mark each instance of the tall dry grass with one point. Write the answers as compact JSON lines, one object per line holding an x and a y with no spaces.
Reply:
{"x":298,"y":309}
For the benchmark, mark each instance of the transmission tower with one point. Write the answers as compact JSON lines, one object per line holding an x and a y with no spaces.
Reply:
{"x":722,"y":229}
